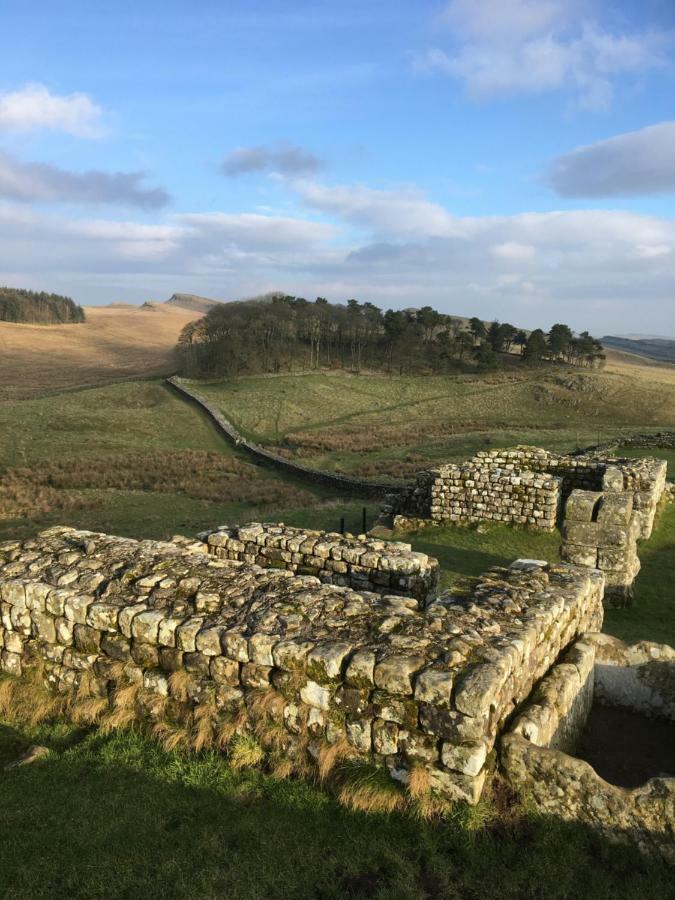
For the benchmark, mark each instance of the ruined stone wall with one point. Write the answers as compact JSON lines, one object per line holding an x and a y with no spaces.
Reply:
{"x":395,"y":683}
{"x":316,"y":476}
{"x":601,"y":530}
{"x":535,"y":751}
{"x":478,"y":491}
{"x":363,"y":564}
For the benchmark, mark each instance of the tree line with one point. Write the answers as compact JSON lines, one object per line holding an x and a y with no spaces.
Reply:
{"x":38,"y":307}
{"x":286,"y":334}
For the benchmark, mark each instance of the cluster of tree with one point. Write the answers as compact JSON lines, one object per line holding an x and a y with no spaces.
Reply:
{"x":38,"y":308}
{"x":290,"y":333}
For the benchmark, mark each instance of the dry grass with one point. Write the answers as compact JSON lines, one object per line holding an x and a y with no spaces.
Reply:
{"x":115,"y":342}
{"x":35,"y":491}
{"x":246,"y":752}
{"x":330,"y":755}
{"x":368,"y":788}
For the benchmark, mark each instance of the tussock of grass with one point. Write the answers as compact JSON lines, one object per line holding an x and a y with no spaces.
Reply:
{"x":246,"y":752}
{"x":368,"y":788}
{"x":331,"y":754}
{"x":179,"y":683}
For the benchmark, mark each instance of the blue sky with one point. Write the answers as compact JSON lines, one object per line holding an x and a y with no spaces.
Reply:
{"x":400,"y":152}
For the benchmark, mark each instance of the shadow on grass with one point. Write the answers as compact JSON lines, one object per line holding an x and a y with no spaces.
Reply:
{"x":117,"y":817}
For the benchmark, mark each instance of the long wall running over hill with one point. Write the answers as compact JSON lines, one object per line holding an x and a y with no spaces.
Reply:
{"x":317,"y":476}
{"x":308,"y":667}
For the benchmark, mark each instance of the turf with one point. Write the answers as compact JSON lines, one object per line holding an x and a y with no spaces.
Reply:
{"x":115,"y":817}
{"x":377,"y":425}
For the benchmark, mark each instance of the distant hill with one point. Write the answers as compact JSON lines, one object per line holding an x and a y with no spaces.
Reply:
{"x":38,"y":308}
{"x":113,"y":343}
{"x":192,"y":301}
{"x":661,"y":349}
{"x":204,"y":304}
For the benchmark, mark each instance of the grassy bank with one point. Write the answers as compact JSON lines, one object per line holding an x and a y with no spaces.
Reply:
{"x":378,"y":425}
{"x":115,"y":817}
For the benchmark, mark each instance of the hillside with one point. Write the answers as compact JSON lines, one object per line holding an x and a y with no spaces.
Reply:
{"x":38,"y":308}
{"x":662,"y":349}
{"x":380,"y":426}
{"x":112,"y":343}
{"x":191,"y":301}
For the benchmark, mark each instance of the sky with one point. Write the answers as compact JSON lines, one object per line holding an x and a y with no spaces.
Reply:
{"x":510,"y":159}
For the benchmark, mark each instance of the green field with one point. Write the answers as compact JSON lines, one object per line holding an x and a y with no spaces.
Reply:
{"x":115,"y":816}
{"x":392,"y":426}
{"x":147,"y":446}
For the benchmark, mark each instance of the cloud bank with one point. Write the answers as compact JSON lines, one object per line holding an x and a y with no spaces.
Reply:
{"x":586,"y":268}
{"x":639,"y":162}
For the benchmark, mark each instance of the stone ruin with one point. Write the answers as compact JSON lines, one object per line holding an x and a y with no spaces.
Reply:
{"x":537,"y":749}
{"x":361,"y":563}
{"x":398,"y":681}
{"x":603,"y":504}
{"x":346,"y":643}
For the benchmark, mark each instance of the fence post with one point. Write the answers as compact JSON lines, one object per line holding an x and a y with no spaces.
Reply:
{"x":363,"y":517}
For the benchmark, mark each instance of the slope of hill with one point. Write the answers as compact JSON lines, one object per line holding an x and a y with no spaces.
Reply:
{"x":191,"y":301}
{"x":114,"y":342}
{"x":662,"y":349}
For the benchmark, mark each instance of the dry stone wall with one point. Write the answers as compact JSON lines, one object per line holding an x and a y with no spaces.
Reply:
{"x":396,"y":683}
{"x":316,"y":476}
{"x":478,"y":491}
{"x":535,"y":750}
{"x":601,"y":530}
{"x":361,"y":563}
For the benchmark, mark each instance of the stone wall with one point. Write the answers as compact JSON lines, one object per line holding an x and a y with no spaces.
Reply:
{"x":370,"y":565}
{"x":316,"y":476}
{"x":392,"y":682}
{"x":534,"y":752}
{"x":639,"y":676}
{"x":480,"y":491}
{"x":601,"y":530}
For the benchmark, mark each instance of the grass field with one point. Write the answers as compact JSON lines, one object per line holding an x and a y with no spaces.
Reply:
{"x":115,"y":817}
{"x":134,"y":459}
{"x":378,"y":425}
{"x":115,"y":342}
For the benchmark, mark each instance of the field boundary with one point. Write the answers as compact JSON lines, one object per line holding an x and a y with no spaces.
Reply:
{"x":317,"y":476}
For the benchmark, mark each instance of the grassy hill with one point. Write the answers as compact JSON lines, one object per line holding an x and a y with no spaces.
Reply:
{"x":114,"y":342}
{"x":661,"y":349}
{"x":192,"y":302}
{"x":379,"y":425}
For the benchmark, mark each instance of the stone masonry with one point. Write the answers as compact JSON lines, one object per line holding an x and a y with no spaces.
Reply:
{"x":601,"y":530}
{"x":536,"y":751}
{"x":478,"y":491}
{"x":398,"y":683}
{"x":386,"y":567}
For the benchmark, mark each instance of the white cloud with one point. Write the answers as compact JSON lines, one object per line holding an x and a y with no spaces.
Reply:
{"x":394,"y":212}
{"x":512,"y":250}
{"x":34,"y":106}
{"x":505,"y":47}
{"x":283,"y":158}
{"x":639,"y":162}
{"x":589,"y":268}
{"x":41,"y":182}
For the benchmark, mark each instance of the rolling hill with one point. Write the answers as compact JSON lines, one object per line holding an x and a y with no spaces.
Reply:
{"x":661,"y":349}
{"x":113,"y":343}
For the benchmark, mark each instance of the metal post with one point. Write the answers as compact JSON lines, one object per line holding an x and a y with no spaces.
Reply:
{"x":342,"y":525}
{"x":363,"y":529}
